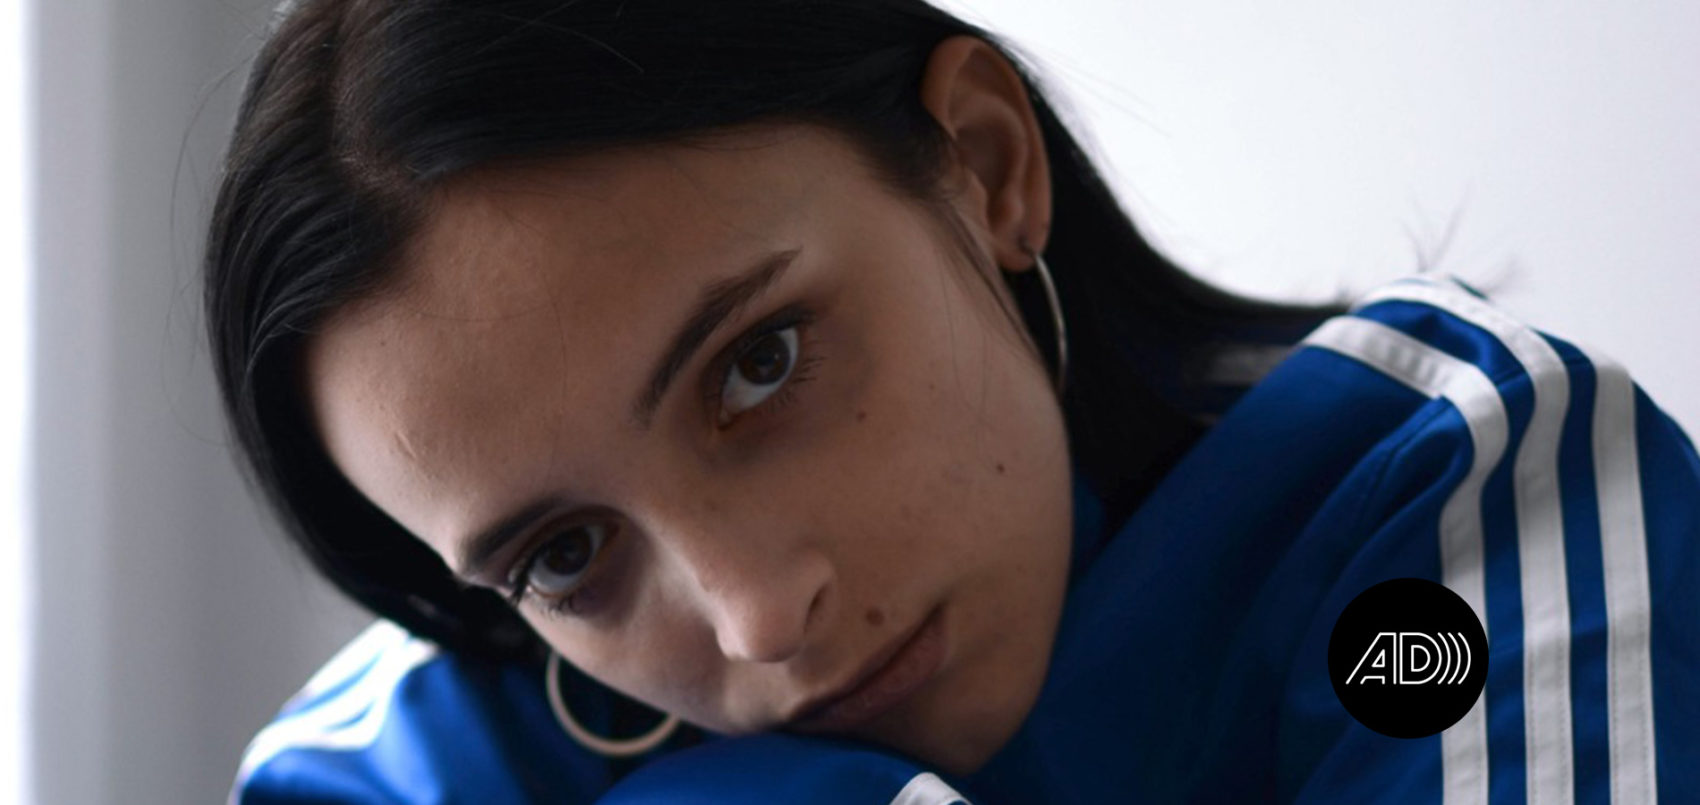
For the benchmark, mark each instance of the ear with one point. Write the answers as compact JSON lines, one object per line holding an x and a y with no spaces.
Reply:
{"x":979,"y":100}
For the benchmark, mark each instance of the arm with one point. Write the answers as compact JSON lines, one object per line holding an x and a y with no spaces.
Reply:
{"x":1552,"y":495}
{"x":392,"y":719}
{"x":774,"y":767}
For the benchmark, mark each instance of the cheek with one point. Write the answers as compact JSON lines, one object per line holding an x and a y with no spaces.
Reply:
{"x":655,"y":657}
{"x":938,"y":480}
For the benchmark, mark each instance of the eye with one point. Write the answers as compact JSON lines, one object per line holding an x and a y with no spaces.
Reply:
{"x":758,"y":371}
{"x":556,"y":568}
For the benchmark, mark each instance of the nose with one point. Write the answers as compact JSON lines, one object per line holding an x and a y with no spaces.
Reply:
{"x":765,"y":601}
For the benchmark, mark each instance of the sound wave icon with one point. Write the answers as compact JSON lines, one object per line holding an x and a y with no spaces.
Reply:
{"x":1458,"y":657}
{"x":1416,"y":658}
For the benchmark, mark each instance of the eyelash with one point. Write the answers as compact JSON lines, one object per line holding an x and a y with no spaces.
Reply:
{"x":802,"y":369}
{"x":519,"y":585}
{"x":519,"y":578}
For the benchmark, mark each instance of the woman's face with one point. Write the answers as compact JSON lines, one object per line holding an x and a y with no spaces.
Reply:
{"x":736,"y":425}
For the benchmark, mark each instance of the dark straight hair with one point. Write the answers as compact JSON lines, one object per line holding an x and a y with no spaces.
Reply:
{"x":356,"y":110}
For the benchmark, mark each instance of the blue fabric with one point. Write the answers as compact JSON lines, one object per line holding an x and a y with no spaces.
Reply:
{"x":771,"y":767}
{"x":1191,"y":660}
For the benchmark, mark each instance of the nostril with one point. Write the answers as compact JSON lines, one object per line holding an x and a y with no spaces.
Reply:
{"x":816,"y":605}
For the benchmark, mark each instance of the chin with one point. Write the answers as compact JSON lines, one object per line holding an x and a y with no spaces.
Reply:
{"x":959,"y":754}
{"x":960,"y":740}
{"x":964,"y":759}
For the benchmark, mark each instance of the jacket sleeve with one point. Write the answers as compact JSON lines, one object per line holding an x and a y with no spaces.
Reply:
{"x":392,"y":719}
{"x":1547,"y":490}
{"x":776,"y":767}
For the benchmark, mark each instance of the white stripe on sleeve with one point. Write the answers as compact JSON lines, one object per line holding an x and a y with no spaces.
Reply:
{"x":1623,"y":549}
{"x":328,"y":725}
{"x":353,"y":658}
{"x":1464,"y":754}
{"x":1548,"y":742}
{"x":927,"y":789}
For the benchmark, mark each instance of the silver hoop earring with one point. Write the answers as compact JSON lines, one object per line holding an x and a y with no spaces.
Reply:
{"x":1057,"y":324}
{"x":608,"y":747}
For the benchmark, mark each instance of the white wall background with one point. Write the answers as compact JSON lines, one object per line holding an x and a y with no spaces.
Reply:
{"x":1548,"y":149}
{"x":16,"y":589}
{"x":171,"y":622}
{"x":1283,"y":149}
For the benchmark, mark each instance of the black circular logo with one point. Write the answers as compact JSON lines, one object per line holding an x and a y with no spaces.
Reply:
{"x":1408,"y":658}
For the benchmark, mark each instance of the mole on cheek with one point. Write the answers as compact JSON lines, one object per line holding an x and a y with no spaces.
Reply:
{"x":875,"y":617}
{"x":861,"y":415}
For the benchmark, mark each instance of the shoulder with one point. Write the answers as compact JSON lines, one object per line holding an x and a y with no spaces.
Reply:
{"x":1424,"y":434}
{"x":393,"y":718}
{"x":1425,"y":372}
{"x":1508,"y":430}
{"x":1420,"y":372}
{"x":1534,"y":478}
{"x":343,"y":702}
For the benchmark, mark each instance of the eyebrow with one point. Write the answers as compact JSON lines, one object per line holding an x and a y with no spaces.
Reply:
{"x":717,"y":303}
{"x":477,"y":552}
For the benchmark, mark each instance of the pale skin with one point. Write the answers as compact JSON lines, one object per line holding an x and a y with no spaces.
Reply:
{"x":761,"y":535}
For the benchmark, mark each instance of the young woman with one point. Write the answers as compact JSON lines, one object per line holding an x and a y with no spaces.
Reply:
{"x":765,"y":400}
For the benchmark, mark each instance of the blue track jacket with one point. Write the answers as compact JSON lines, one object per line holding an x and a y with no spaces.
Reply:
{"x":1427,"y":434}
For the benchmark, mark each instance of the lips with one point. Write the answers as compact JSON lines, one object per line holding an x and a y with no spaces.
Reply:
{"x":886,"y":680}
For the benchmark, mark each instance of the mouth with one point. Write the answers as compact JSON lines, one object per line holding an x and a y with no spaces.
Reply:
{"x":891,"y":676}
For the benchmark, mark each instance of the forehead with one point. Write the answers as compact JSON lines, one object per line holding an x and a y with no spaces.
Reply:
{"x":542,"y":289}
{"x":591,"y":226}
